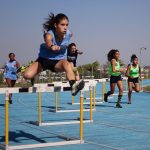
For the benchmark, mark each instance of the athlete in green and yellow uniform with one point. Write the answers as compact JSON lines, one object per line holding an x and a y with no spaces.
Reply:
{"x":117,"y":67}
{"x":134,"y":73}
{"x":115,"y":76}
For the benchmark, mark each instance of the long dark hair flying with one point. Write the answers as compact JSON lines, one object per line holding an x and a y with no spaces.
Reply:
{"x":111,"y":54}
{"x":52,"y":20}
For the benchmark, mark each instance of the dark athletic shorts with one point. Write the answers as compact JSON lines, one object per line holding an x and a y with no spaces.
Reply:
{"x":134,"y":80}
{"x":47,"y":63}
{"x":115,"y":79}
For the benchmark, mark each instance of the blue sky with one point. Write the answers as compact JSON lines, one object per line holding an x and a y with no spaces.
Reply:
{"x":97,"y":26}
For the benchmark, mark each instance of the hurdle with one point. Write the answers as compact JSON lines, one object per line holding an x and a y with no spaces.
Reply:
{"x":94,"y":98}
{"x":64,"y":83}
{"x":6,"y":146}
{"x":41,"y":123}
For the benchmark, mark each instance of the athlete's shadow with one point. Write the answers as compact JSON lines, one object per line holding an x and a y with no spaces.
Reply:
{"x":52,"y":108}
{"x":3,"y":105}
{"x":103,"y":105}
{"x":120,"y":102}
{"x":18,"y":136}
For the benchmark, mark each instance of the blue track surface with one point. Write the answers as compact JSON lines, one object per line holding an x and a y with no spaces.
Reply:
{"x":119,"y":129}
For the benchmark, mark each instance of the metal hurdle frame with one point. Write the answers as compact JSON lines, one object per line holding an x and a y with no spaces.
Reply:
{"x":64,"y":88}
{"x":93,"y":91}
{"x":6,"y":146}
{"x":64,"y":83}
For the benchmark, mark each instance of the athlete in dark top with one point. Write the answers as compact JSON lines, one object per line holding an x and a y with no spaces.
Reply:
{"x":72,"y":54}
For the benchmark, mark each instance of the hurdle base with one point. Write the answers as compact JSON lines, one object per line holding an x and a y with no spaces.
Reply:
{"x":73,"y":110}
{"x":60,"y":123}
{"x":86,"y":103}
{"x":96,"y":98}
{"x":42,"y":145}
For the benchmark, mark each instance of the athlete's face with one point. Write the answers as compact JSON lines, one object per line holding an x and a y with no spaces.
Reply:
{"x":117,"y":54}
{"x":73,"y":49}
{"x":12,"y":57}
{"x":135,"y":61}
{"x":62,"y":26}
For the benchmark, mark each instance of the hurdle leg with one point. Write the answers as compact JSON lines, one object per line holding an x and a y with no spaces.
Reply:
{"x":86,"y":93}
{"x":103,"y":90}
{"x":56,"y":101}
{"x":7,"y":120}
{"x":81,"y":116}
{"x":39,"y":108}
{"x":91,"y":103}
{"x":94,"y":96}
{"x":72,"y":100}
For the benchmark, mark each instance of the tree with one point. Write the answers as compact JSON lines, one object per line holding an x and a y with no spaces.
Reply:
{"x":90,"y":69}
{"x":1,"y":78}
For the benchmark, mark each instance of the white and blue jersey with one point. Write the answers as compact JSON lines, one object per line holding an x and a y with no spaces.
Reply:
{"x":10,"y":70}
{"x":44,"y":52}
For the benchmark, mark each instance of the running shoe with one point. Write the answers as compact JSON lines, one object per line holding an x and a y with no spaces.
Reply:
{"x":77,"y":87}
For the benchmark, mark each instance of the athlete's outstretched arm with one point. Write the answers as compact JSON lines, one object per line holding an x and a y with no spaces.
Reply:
{"x":49,"y":44}
{"x":79,"y":52}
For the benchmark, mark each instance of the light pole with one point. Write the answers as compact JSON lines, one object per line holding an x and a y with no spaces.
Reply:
{"x":141,"y":49}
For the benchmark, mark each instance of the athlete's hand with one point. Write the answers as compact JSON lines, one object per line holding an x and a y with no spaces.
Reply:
{"x":55,"y":48}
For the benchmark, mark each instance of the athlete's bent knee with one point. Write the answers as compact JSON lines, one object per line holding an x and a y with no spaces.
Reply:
{"x":66,"y":65}
{"x":27,"y":75}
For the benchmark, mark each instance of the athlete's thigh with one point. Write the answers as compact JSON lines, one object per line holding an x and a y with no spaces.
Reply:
{"x":137,"y":86}
{"x":9,"y":83}
{"x":130,"y":86}
{"x":13,"y":83}
{"x":61,"y":65}
{"x":34,"y":69}
{"x":112,"y":87}
{"x":120,"y":85}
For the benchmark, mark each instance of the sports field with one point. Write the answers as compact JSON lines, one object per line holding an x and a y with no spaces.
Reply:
{"x":127,"y":128}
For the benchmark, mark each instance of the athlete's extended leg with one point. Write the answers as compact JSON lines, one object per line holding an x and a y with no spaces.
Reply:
{"x":64,"y":65}
{"x":32,"y":70}
{"x":120,"y":87}
{"x":10,"y":83}
{"x":129,"y":92}
{"x":137,"y":87}
{"x":75,"y":70}
{"x":112,"y":89}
